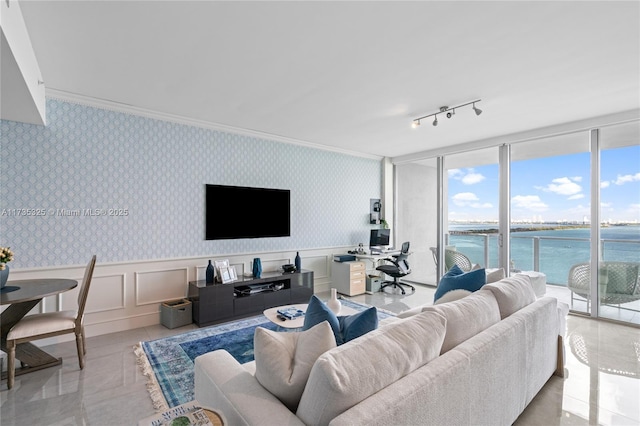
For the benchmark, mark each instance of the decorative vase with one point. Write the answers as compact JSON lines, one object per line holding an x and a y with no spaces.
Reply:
{"x":333,"y":303}
{"x":298,"y":262}
{"x":257,"y":267}
{"x":4,"y":276}
{"x":210,"y":273}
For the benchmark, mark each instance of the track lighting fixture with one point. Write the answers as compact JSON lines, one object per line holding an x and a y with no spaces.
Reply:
{"x":448,"y":111}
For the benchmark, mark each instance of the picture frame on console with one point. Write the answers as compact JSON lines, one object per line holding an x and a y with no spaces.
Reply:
{"x":228,"y":274}
{"x":219,"y":264}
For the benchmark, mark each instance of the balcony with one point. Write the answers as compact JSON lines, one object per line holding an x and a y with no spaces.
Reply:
{"x":554,"y":256}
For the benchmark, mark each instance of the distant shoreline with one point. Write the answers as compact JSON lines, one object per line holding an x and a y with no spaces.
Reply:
{"x":521,"y":229}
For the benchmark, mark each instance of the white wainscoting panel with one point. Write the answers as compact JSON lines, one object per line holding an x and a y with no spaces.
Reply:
{"x":159,"y":286}
{"x":127,"y":295}
{"x":107,"y":293}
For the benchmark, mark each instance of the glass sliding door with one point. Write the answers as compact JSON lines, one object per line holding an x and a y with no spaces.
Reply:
{"x":471,"y":210}
{"x":618,"y":272}
{"x":550,"y":214}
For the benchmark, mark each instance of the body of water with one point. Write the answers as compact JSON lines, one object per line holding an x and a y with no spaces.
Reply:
{"x":559,"y":247}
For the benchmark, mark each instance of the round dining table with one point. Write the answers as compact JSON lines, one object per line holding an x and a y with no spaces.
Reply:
{"x":22,"y":296}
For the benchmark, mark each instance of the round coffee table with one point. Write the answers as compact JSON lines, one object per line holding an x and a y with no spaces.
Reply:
{"x":215,"y":417}
{"x":272,"y":315}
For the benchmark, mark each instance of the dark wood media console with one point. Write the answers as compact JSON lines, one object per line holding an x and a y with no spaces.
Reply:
{"x":215,"y":302}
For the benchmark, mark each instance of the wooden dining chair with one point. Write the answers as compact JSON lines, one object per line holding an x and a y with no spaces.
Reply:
{"x":49,"y":324}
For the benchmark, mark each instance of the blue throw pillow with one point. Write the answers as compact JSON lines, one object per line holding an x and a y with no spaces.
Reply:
{"x":344,"y":328}
{"x":317,"y":312}
{"x":456,"y":279}
{"x":353,"y":326}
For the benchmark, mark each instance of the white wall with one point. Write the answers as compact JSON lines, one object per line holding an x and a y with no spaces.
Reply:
{"x":416,"y":217}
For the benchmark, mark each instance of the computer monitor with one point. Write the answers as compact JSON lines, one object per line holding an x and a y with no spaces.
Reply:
{"x":379,"y":238}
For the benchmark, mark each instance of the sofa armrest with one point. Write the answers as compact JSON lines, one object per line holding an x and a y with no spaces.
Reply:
{"x":224,"y":384}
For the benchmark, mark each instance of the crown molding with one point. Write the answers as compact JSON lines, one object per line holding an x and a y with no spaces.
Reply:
{"x":173,"y":118}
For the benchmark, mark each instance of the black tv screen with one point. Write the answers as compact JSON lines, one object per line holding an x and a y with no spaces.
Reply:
{"x":243,"y":212}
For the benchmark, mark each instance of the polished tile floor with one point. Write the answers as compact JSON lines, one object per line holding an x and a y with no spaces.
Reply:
{"x":602,"y":387}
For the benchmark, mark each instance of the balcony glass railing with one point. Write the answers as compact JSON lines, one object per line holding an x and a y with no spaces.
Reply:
{"x":553,"y":256}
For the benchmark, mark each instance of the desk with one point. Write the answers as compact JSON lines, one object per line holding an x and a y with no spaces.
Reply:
{"x":21,"y":301}
{"x":375,"y":258}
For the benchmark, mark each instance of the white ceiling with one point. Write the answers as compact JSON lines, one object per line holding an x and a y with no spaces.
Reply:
{"x":351,"y":75}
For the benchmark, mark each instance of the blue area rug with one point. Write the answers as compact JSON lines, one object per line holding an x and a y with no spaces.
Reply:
{"x":168,"y":362}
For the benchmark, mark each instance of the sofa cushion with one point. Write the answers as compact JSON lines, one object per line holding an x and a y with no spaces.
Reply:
{"x":512,"y":294}
{"x":452,"y":295}
{"x":494,"y":275}
{"x":467,"y":317}
{"x":345,"y":328}
{"x":456,"y":279}
{"x":346,"y":375}
{"x":283,"y":360}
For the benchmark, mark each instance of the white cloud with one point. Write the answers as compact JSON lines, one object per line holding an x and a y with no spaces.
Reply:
{"x":464,"y":198}
{"x":564,"y":186}
{"x":621,"y":180}
{"x":472,"y":178}
{"x":453,"y":173}
{"x":605,"y":184}
{"x":576,"y":197}
{"x":467,"y":176}
{"x":576,"y":178}
{"x":481,"y":205}
{"x":529,"y":202}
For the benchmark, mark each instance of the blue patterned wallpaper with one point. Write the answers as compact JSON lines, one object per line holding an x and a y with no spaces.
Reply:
{"x":128,"y":188}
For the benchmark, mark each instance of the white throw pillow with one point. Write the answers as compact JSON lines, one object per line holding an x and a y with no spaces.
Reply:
{"x":345,"y":376}
{"x":494,"y":275}
{"x":284,"y":359}
{"x":512,"y":294}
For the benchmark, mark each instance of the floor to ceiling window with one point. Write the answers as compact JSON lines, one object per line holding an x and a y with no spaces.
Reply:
{"x":553,"y":185}
{"x":550,"y":209}
{"x":472,"y":206}
{"x":619,"y":269}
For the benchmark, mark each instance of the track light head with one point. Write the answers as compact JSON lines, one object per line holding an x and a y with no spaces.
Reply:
{"x":477,"y":110}
{"x":451,"y":113}
{"x":435,"y":121}
{"x":415,"y":123}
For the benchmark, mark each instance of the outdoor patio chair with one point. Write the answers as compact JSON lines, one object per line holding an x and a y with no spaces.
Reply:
{"x":619,"y":282}
{"x":452,"y":257}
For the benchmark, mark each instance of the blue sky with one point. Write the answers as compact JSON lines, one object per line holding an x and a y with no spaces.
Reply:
{"x":551,"y":188}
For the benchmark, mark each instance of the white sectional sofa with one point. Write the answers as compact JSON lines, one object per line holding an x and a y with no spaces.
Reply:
{"x":479,"y":360}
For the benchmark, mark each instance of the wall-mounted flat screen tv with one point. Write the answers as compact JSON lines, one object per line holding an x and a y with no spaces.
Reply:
{"x":244,"y":212}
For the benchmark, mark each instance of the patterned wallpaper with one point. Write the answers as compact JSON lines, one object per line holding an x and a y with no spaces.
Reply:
{"x":128,"y":188}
